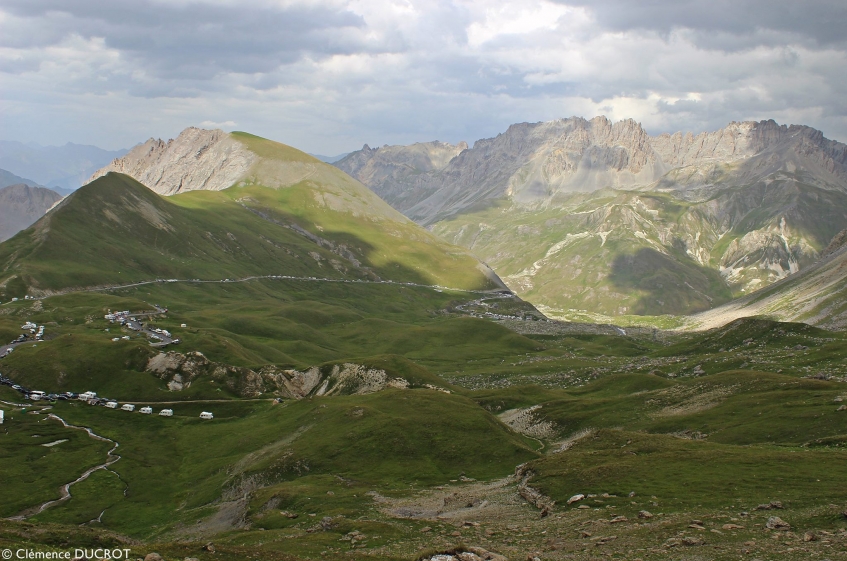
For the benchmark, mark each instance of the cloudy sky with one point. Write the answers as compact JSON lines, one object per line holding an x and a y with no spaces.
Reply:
{"x":329,"y":75}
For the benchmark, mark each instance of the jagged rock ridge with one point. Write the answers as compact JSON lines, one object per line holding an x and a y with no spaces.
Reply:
{"x":533,"y":162}
{"x":197,"y":159}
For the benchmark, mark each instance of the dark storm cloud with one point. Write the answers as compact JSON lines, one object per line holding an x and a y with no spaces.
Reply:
{"x":190,"y":40}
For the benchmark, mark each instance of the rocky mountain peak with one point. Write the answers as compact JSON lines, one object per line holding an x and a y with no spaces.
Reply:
{"x":533,"y":162}
{"x":197,"y":159}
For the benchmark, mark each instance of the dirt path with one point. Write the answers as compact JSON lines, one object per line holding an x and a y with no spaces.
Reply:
{"x":65,"y":490}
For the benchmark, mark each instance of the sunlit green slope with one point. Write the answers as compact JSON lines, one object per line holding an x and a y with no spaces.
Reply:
{"x":116,"y":231}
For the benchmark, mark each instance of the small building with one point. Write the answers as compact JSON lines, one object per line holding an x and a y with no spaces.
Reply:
{"x":146,"y":410}
{"x":128,"y":407}
{"x":166,"y":413}
{"x":206,"y":415}
{"x":112,"y":404}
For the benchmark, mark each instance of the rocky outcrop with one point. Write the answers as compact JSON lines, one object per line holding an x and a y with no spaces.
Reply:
{"x":838,"y":241}
{"x":528,"y":422}
{"x":21,"y":205}
{"x":180,"y":370}
{"x":197,"y":159}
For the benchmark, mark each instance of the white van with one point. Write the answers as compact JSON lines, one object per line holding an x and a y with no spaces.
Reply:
{"x":146,"y":410}
{"x":206,"y":415}
{"x":128,"y":407}
{"x":85,"y":396}
{"x":166,"y":413}
{"x":112,"y":404}
{"x":36,"y":395}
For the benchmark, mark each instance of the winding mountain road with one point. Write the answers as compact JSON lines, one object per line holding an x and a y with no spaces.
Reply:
{"x":262,"y":277}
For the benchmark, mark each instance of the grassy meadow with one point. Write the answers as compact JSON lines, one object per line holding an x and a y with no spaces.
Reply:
{"x":699,"y":426}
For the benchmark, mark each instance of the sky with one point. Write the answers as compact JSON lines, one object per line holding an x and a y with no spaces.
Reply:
{"x":328,"y":76}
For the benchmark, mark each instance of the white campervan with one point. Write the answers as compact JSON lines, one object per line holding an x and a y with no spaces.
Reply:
{"x":128,"y":407}
{"x":112,"y":404}
{"x":85,"y":396}
{"x":166,"y":413}
{"x":146,"y":410}
{"x":206,"y":415}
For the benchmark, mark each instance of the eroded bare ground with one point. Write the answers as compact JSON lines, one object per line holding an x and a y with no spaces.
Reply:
{"x":493,"y":516}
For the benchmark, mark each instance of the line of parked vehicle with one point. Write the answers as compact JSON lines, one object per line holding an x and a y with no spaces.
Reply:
{"x":88,"y":397}
{"x":158,"y":337}
{"x":36,"y":334}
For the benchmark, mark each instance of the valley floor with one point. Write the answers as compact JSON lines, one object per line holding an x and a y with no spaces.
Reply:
{"x":448,"y":421}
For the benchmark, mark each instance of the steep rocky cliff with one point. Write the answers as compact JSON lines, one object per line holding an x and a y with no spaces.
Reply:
{"x":197,"y":159}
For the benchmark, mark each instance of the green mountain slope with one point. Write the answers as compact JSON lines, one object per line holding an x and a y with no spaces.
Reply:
{"x":644,"y":252}
{"x":116,"y":231}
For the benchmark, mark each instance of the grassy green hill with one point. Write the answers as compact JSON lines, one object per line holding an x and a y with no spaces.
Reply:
{"x":116,"y":231}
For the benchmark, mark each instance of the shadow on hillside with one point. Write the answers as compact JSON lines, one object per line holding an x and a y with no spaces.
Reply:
{"x":114,"y":232}
{"x":669,"y":284}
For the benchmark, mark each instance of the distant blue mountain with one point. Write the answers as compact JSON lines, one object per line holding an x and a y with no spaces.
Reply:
{"x":8,"y":178}
{"x":329,"y":159}
{"x":64,"y":167}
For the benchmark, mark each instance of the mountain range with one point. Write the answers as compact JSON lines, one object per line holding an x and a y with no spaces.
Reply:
{"x":317,"y":376}
{"x":589,"y":216}
{"x":63,"y":167}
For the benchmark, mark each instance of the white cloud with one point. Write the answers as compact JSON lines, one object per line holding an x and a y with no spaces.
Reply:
{"x":217,"y":125}
{"x":330,"y":75}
